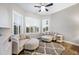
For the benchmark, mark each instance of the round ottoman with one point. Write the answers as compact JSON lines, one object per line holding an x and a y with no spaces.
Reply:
{"x":31,"y":44}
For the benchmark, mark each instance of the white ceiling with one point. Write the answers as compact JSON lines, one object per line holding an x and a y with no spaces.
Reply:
{"x":52,"y":9}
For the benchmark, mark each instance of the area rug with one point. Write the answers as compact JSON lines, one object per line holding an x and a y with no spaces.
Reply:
{"x":45,"y":48}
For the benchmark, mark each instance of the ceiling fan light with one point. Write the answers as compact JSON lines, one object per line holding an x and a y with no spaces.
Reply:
{"x":42,"y":8}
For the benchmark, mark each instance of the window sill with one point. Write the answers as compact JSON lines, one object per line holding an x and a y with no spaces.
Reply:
{"x":32,"y":33}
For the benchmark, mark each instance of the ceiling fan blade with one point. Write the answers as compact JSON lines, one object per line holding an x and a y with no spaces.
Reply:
{"x":39,"y":10}
{"x":49,"y":5}
{"x":38,"y":6}
{"x":46,"y":9}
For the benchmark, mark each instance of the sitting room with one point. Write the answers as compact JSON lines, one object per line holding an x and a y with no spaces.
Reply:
{"x":39,"y":28}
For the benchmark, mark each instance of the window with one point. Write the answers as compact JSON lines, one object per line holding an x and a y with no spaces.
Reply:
{"x":45,"y":25}
{"x":32,"y":25}
{"x":15,"y":29}
{"x":17,"y":23}
{"x":27,"y":29}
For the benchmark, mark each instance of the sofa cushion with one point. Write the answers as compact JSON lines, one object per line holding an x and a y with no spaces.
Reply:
{"x":28,"y":37}
{"x":22,"y":36}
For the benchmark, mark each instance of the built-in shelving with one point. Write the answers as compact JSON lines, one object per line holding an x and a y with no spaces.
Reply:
{"x":5,"y":45}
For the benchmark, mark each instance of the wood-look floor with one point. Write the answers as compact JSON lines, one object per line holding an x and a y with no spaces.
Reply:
{"x":70,"y":49}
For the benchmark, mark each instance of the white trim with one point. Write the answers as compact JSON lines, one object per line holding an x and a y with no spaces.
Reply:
{"x":71,"y":43}
{"x":21,"y":16}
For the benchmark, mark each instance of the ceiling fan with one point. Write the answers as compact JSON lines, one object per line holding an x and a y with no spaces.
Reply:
{"x":43,"y":7}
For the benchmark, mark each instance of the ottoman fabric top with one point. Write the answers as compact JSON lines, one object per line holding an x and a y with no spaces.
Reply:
{"x":33,"y":40}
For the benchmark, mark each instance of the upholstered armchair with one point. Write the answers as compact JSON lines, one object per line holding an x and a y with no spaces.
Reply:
{"x":59,"y":38}
{"x":18,"y":42}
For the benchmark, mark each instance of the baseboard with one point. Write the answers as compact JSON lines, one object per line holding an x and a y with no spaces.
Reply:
{"x":71,"y":43}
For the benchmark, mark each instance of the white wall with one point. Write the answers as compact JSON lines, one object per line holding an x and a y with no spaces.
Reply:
{"x":30,"y":21}
{"x":5,"y":20}
{"x":66,"y":22}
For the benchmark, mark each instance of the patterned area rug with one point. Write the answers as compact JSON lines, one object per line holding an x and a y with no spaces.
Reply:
{"x":44,"y":48}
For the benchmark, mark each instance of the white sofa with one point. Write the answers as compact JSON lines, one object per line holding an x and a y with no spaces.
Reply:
{"x":47,"y":38}
{"x":20,"y":42}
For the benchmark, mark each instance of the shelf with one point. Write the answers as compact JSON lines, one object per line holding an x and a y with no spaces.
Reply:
{"x":4,"y":27}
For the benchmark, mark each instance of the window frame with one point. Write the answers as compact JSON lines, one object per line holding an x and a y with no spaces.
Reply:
{"x":45,"y":25}
{"x":34,"y":28}
{"x":13,"y":22}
